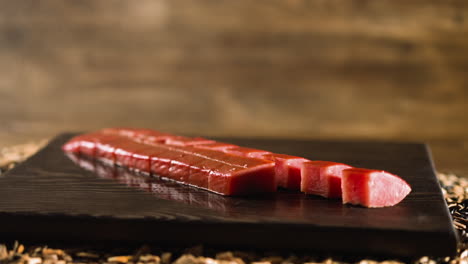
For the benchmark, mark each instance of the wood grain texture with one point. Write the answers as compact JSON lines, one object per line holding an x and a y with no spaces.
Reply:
{"x":50,"y":197}
{"x":381,"y":69}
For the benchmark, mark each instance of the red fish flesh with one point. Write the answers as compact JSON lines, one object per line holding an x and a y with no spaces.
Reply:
{"x":373,"y":188}
{"x":233,"y":170}
{"x":287,"y":170}
{"x":209,"y":169}
{"x":322,"y":178}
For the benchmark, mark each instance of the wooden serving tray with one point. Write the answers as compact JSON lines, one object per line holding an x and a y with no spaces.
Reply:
{"x":50,"y":197}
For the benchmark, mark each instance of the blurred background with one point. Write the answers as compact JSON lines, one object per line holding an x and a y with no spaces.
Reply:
{"x":333,"y":69}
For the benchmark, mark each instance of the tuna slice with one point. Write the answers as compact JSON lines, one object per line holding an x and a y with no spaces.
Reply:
{"x":209,"y":169}
{"x":373,"y":188}
{"x":287,"y":170}
{"x":322,"y":178}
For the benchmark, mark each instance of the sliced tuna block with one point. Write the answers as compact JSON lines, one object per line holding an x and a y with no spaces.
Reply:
{"x":232,"y":170}
{"x":105,"y":147}
{"x":210,"y":169}
{"x":84,"y":144}
{"x":88,"y":146}
{"x":161,"y":163}
{"x":141,"y":160}
{"x":373,"y":188}
{"x":322,"y":178}
{"x":199,"y":171}
{"x":287,"y":170}
{"x":124,"y":153}
{"x":252,"y":179}
{"x":252,"y":174}
{"x":247,"y":152}
{"x":217,"y":171}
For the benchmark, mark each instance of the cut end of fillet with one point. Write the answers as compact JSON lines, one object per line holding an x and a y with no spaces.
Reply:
{"x":322,"y":178}
{"x":287,"y":170}
{"x":258,"y":180}
{"x":373,"y":188}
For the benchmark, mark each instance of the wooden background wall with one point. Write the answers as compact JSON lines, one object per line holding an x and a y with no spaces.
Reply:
{"x":390,"y":69}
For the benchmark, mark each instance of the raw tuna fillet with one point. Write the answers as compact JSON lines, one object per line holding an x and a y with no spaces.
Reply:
{"x":232,"y":170}
{"x":214,"y":170}
{"x":91,"y":145}
{"x":287,"y":170}
{"x":322,"y":178}
{"x":373,"y":188}
{"x":105,"y":147}
{"x":209,"y":169}
{"x":247,"y":152}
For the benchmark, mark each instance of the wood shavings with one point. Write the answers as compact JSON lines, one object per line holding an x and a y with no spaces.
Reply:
{"x":150,"y":259}
{"x":87,"y":255}
{"x":166,"y":257}
{"x":119,"y":259}
{"x":10,"y":156}
{"x":3,"y":252}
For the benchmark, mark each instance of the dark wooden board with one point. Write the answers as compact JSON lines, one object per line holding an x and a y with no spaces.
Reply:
{"x":50,"y":197}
